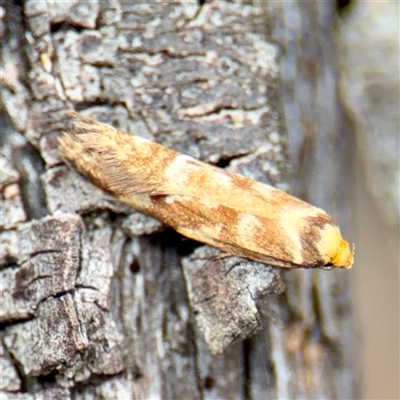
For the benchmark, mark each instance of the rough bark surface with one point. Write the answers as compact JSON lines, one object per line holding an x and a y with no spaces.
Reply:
{"x":94,"y":296}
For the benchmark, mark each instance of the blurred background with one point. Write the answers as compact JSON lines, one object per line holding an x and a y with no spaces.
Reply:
{"x":375,"y":279}
{"x":369,"y":35}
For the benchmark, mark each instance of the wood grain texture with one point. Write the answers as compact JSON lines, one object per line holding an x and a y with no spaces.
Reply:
{"x":197,"y":79}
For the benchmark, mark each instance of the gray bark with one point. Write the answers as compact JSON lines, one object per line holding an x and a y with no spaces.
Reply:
{"x":95,"y":296}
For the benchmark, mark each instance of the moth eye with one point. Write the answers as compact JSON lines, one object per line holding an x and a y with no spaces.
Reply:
{"x":328,"y":266}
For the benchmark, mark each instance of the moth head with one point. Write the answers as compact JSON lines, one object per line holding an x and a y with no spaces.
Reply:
{"x":335,"y":250}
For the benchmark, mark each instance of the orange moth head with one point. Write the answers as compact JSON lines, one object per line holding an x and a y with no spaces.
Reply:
{"x":335,"y":249}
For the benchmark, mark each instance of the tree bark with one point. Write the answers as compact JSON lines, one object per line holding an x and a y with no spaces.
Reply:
{"x":93,"y":296}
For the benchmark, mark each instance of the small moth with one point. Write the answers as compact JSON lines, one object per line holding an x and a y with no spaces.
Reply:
{"x":223,"y":209}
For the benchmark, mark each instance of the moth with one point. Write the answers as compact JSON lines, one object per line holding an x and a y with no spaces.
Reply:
{"x":220,"y":208}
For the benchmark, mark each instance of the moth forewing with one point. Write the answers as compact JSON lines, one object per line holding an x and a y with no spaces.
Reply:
{"x":217,"y":207}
